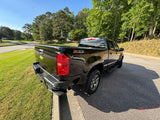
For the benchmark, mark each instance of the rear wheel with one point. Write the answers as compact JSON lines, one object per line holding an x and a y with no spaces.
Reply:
{"x":93,"y":82}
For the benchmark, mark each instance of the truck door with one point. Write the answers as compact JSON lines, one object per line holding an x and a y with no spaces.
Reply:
{"x":116,"y":50}
{"x":112,"y":53}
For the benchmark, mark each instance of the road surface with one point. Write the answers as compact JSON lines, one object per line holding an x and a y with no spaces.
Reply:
{"x":16,"y":47}
{"x":129,"y":93}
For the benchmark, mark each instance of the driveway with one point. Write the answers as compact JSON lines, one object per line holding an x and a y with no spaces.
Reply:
{"x":16,"y":47}
{"x":129,"y":93}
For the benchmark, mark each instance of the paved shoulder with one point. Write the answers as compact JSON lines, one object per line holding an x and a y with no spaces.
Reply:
{"x":16,"y":47}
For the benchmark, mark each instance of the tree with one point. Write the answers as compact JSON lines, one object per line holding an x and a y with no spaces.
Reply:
{"x":137,"y":20}
{"x":36,"y":25}
{"x":96,"y":3}
{"x":104,"y":19}
{"x":17,"y":35}
{"x":62,"y":23}
{"x":27,"y":32}
{"x":127,"y":19}
{"x":99,"y":23}
{"x":80,"y":19}
{"x":1,"y":36}
{"x":6,"y":32}
{"x":154,"y":17}
{"x":45,"y":26}
{"x":45,"y":29}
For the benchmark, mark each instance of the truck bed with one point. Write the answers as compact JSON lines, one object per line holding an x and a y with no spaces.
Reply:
{"x":47,"y":55}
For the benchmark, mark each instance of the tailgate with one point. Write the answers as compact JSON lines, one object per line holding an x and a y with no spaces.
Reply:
{"x":47,"y":57}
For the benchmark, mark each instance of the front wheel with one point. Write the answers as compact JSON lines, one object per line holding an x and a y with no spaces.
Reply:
{"x":93,"y":81}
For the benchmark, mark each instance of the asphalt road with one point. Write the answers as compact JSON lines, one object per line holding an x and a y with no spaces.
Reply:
{"x":129,"y":93}
{"x":16,"y":47}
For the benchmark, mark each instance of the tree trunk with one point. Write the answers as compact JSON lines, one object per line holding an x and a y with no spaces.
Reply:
{"x":115,"y":23}
{"x":121,"y":40}
{"x":0,"y":40}
{"x":151,"y":29}
{"x":129,"y":34}
{"x":135,"y":35}
{"x":156,"y":8}
{"x":145,"y":36}
{"x":132,"y":35}
{"x":155,"y":26}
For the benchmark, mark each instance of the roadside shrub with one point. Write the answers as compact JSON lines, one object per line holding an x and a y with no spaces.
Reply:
{"x":72,"y":35}
{"x":61,"y":39}
{"x":77,"y":35}
{"x":50,"y":42}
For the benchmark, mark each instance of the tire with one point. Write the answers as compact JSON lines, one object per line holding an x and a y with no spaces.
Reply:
{"x":120,"y":63}
{"x":93,"y":81}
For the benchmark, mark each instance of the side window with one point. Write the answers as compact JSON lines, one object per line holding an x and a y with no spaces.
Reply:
{"x":115,"y":45}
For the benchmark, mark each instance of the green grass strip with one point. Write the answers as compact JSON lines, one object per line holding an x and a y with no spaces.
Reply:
{"x":144,"y":47}
{"x":22,"y":96}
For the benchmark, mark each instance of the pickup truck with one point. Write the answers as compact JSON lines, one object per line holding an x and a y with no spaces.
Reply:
{"x":61,"y":67}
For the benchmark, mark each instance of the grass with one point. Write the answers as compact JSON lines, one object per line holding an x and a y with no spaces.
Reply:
{"x":65,"y":44}
{"x":144,"y":47}
{"x":25,"y":41}
{"x":22,"y":96}
{"x":5,"y":41}
{"x":53,"y":43}
{"x":8,"y":43}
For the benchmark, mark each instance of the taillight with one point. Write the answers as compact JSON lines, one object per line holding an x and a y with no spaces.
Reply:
{"x":91,"y":39}
{"x":62,"y":64}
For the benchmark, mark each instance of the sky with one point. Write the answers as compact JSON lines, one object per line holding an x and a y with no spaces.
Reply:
{"x":15,"y":13}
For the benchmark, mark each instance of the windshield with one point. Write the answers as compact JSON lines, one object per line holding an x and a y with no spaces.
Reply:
{"x":92,"y":42}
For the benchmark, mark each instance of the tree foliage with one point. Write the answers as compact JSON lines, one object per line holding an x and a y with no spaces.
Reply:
{"x":62,"y":23}
{"x":45,"y":27}
{"x":119,"y":20}
{"x":17,"y":35}
{"x":80,"y":19}
{"x":7,"y":33}
{"x":27,"y":35}
{"x":50,"y":26}
{"x":77,"y":35}
{"x":137,"y":20}
{"x":124,"y":20}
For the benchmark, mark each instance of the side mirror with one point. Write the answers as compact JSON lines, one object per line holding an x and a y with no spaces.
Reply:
{"x":116,"y":50}
{"x":121,"y":49}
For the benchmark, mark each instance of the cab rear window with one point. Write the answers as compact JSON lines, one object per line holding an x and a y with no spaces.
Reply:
{"x":92,"y":42}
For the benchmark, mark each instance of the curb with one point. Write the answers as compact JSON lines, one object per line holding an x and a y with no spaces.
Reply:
{"x":75,"y":108}
{"x":66,"y":107}
{"x":55,"y":108}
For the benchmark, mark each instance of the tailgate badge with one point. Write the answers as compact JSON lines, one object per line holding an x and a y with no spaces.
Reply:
{"x":78,"y":51}
{"x":41,"y":51}
{"x":41,"y":57}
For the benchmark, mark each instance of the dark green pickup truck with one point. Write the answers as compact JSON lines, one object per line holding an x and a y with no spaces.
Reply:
{"x":62,"y":67}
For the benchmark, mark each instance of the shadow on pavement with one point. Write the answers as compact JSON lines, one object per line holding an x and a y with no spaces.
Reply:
{"x":130,"y":87}
{"x":65,"y":113}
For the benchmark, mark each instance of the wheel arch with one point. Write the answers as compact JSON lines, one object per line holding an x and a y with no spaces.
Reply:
{"x":98,"y":67}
